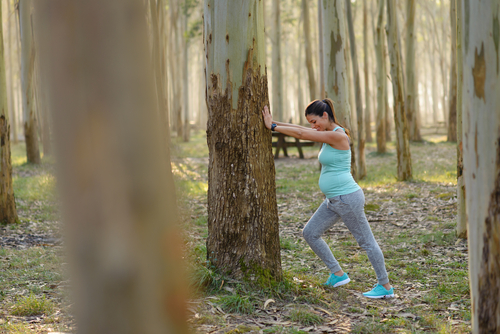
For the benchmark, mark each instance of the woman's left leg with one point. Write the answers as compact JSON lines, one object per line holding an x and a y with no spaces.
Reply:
{"x":352,"y":212}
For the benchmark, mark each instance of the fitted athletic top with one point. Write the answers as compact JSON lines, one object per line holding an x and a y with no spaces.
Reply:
{"x":336,"y":178}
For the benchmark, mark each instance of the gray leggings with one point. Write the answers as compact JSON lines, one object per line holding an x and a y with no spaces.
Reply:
{"x":350,"y":208}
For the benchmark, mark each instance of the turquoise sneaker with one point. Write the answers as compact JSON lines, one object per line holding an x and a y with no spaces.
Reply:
{"x":335,"y":281}
{"x":379,"y":292}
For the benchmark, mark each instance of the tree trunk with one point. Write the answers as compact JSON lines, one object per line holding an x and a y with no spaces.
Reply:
{"x":359,"y":99}
{"x":444,"y":67}
{"x":117,"y":187}
{"x":307,"y":45}
{"x":10,"y":76}
{"x":277,"y":75}
{"x":402,"y":138}
{"x":157,"y":55}
{"x":411,"y":87}
{"x":461,"y":212}
{"x":381,"y":80}
{"x":243,"y":236}
{"x":8,"y":212}
{"x":27,"y":67}
{"x":321,"y":52}
{"x":175,"y":66}
{"x":337,"y":85}
{"x":452,"y":115}
{"x":185,"y":77}
{"x":367,"y":114}
{"x":481,"y":105}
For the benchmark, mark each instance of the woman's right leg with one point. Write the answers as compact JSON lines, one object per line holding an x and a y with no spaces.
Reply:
{"x":322,"y":220}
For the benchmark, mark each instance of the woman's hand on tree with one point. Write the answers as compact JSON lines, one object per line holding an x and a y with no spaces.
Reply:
{"x":268,"y":119}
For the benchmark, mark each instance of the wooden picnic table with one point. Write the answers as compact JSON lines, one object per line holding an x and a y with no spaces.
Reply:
{"x":281,"y":143}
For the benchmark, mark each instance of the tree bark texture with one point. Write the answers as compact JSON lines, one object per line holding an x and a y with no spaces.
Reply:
{"x":381,"y":80}
{"x":185,"y":75}
{"x":401,"y":125}
{"x":159,"y":64}
{"x":175,"y":66}
{"x":367,"y":113}
{"x":452,"y":114}
{"x":359,"y":99}
{"x":481,"y":156}
{"x":27,"y":69}
{"x":321,"y":53}
{"x":8,"y":212}
{"x":243,"y":236}
{"x":461,"y":212}
{"x":117,"y":188}
{"x":335,"y":65}
{"x":411,"y":81}
{"x":10,"y":75}
{"x":308,"y":50}
{"x":277,"y":73}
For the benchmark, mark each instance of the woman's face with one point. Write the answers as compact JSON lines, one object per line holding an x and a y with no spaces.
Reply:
{"x":318,"y":123}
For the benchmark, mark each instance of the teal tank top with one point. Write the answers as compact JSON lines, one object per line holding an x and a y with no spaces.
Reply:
{"x":336,"y":178}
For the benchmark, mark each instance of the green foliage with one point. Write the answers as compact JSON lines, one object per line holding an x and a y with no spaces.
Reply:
{"x":32,"y":305}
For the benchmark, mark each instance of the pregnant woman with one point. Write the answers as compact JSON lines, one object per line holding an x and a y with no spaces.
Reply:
{"x":344,"y":197}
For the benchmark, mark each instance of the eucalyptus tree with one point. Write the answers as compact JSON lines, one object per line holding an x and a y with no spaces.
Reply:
{"x":27,"y":81}
{"x":308,"y":50}
{"x":381,"y":71}
{"x":359,"y":99}
{"x":8,"y":212}
{"x":335,"y":66}
{"x":116,"y":185}
{"x":367,"y":113}
{"x":243,"y":236}
{"x":452,"y":100}
{"x":277,"y":73}
{"x":404,"y":170}
{"x":411,"y":102}
{"x":461,"y":212}
{"x":481,"y":149}
{"x":321,"y":52}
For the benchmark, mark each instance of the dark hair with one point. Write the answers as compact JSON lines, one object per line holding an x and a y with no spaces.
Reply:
{"x":318,"y":107}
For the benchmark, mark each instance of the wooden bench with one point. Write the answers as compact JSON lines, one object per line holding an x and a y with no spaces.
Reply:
{"x":281,"y":143}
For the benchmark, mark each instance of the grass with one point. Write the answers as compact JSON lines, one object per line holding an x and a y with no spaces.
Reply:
{"x":237,"y":304}
{"x":32,"y":305}
{"x":304,"y":316}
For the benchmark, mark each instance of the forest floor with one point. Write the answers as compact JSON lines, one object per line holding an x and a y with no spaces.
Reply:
{"x":413,"y":221}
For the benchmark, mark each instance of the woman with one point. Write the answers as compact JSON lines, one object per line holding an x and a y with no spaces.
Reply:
{"x":344,"y":197}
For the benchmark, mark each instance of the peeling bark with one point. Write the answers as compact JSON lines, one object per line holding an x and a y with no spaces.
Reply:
{"x":481,"y":158}
{"x":452,"y":114}
{"x":308,"y":50}
{"x":243,"y":229}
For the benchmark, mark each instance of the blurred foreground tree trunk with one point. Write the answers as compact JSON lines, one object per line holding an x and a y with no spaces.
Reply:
{"x":243,"y":239}
{"x":27,"y":69}
{"x":359,"y":99}
{"x":401,"y":125}
{"x":461,"y":212}
{"x":337,"y":85}
{"x":381,"y":80}
{"x":116,"y":182}
{"x":308,"y":50}
{"x":8,"y":212}
{"x":481,"y":126}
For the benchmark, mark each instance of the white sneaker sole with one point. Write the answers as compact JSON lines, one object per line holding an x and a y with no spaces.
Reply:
{"x":380,"y":297}
{"x":341,"y":282}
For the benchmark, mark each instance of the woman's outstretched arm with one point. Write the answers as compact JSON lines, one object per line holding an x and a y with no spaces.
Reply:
{"x":335,"y":139}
